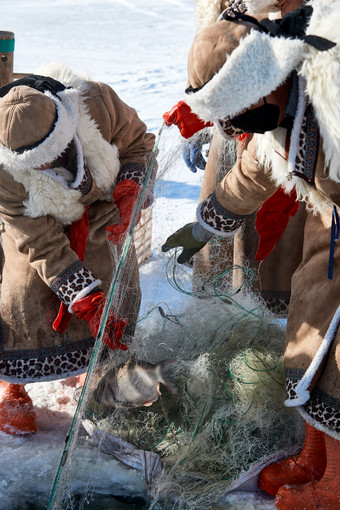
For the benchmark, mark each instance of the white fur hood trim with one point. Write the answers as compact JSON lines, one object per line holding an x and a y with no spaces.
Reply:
{"x":207,"y":12}
{"x":101,"y":157}
{"x":321,"y":71}
{"x":50,"y":194}
{"x":47,"y":196}
{"x":261,"y":6}
{"x":48,"y":150}
{"x":254,"y":69}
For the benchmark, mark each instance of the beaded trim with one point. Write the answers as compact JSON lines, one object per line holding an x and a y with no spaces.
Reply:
{"x":307,"y":154}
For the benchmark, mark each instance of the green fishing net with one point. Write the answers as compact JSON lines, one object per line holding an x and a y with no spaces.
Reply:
{"x":227,"y":414}
{"x":228,"y":411}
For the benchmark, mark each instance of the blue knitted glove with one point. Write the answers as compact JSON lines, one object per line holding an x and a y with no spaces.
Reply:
{"x":193,"y":156}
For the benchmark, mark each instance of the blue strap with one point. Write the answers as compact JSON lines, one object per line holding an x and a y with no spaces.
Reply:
{"x":335,"y":229}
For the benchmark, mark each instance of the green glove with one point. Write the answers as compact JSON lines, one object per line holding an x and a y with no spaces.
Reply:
{"x":184,"y":237}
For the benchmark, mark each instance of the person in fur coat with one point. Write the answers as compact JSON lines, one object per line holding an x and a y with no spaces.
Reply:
{"x":280,"y":81}
{"x":73,"y":161}
{"x":272,"y":274}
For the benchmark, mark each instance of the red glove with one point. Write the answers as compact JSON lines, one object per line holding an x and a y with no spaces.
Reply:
{"x":272,"y":219}
{"x":187,"y":122}
{"x":79,"y":231}
{"x":126,"y":197}
{"x":90,"y":308}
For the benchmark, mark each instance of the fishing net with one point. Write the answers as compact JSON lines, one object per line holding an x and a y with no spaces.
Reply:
{"x":221,"y":417}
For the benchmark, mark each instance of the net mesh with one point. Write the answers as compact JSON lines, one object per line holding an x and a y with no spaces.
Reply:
{"x":221,"y":405}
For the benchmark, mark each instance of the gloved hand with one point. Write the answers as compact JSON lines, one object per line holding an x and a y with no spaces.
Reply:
{"x":193,"y":156}
{"x":79,"y":231}
{"x":125,"y":196}
{"x":90,"y":308}
{"x":184,"y":237}
{"x":187,"y":122}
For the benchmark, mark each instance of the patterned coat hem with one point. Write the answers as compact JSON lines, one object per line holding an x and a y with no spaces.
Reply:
{"x":316,"y":424}
{"x":37,"y":365}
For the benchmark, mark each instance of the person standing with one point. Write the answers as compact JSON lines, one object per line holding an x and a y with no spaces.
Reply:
{"x":73,"y":161}
{"x":271,"y":275}
{"x":280,"y":81}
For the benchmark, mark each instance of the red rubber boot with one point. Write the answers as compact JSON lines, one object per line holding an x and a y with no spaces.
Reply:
{"x":17,"y":416}
{"x":316,"y":495}
{"x":308,"y":465}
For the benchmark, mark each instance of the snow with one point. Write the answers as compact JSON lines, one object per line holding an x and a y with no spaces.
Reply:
{"x":140,"y":49}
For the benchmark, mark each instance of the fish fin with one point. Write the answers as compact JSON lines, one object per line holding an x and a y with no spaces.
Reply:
{"x":165,"y":378}
{"x":131,"y":361}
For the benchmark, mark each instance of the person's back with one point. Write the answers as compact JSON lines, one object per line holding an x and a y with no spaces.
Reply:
{"x":72,"y":164}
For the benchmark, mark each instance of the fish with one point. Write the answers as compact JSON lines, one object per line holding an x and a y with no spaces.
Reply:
{"x":134,"y":384}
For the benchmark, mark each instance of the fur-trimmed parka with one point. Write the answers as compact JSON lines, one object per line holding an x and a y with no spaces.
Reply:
{"x":306,"y":159}
{"x":39,"y":269}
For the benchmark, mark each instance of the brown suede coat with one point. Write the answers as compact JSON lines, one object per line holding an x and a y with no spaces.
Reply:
{"x":36,"y":250}
{"x":272,"y":277}
{"x":315,"y":298}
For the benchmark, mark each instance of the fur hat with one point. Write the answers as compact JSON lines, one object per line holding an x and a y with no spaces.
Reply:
{"x":35,"y":127}
{"x":210,"y":49}
{"x":207,"y":11}
{"x":253,"y":65}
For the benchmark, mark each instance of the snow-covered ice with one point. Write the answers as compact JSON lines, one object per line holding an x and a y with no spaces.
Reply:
{"x":140,"y":49}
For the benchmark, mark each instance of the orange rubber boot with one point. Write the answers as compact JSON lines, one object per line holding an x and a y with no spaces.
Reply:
{"x":81,"y":379}
{"x":316,"y":495}
{"x":308,"y":465}
{"x":17,"y":416}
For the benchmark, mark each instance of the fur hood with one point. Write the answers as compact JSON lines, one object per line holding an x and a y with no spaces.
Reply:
{"x":49,"y":192}
{"x":207,"y":12}
{"x":259,"y":63}
{"x":258,"y":66}
{"x":321,"y":72}
{"x":319,"y":85}
{"x":101,"y":157}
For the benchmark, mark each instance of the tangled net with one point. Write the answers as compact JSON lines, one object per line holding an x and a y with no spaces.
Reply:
{"x":228,"y":412}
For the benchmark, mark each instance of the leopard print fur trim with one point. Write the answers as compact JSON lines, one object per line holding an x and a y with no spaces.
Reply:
{"x":215,"y":218}
{"x":134,"y":171}
{"x":321,"y":408}
{"x":233,"y":7}
{"x":137,"y":172}
{"x":74,"y":283}
{"x":324,"y":409}
{"x":308,"y":146}
{"x":227,"y":130}
{"x":293,"y":376}
{"x":58,"y":366}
